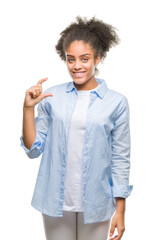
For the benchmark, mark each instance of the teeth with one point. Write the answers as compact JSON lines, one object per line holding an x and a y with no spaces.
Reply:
{"x":79,"y":74}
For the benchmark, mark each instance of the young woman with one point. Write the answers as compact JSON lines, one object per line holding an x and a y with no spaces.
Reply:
{"x":82,"y":129}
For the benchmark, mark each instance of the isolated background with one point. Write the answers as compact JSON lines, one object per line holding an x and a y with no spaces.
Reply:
{"x":29,"y":31}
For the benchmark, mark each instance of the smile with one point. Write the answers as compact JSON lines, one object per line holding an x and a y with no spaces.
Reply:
{"x":78,"y":74}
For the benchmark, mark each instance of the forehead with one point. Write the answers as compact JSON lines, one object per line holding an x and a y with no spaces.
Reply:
{"x":79,"y":47}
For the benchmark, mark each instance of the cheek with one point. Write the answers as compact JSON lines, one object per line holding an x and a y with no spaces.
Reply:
{"x":68,"y":67}
{"x":91,"y":67}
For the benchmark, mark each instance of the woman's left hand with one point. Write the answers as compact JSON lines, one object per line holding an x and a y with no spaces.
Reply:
{"x":117,"y":222}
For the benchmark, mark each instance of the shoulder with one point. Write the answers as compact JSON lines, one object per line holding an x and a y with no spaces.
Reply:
{"x":117,"y":97}
{"x":119,"y":103}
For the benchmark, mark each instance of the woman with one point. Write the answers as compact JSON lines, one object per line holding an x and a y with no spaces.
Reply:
{"x":82,"y":128}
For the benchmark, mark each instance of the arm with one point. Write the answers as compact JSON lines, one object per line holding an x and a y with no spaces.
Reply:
{"x":120,"y":205}
{"x":35,"y":129}
{"x":121,"y":143}
{"x":29,"y":129}
{"x":120,"y":166}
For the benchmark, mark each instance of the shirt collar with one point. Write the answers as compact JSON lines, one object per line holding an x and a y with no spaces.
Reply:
{"x":101,"y":90}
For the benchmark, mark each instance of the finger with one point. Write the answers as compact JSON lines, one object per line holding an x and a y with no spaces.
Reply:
{"x":38,"y":91}
{"x":111,"y":234}
{"x":35,"y":93}
{"x":117,"y":237}
{"x":112,"y":229}
{"x":38,"y":88}
{"x":41,"y":96}
{"x":120,"y":233}
{"x":33,"y":88}
{"x":44,"y":95}
{"x":114,"y":238}
{"x":42,"y":80}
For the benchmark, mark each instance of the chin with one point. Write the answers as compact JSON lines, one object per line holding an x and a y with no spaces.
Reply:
{"x":79,"y":81}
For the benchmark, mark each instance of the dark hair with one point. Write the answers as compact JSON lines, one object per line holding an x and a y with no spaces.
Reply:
{"x":101,"y":36}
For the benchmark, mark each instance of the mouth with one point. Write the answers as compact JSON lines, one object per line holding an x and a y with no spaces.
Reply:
{"x":79,"y":74}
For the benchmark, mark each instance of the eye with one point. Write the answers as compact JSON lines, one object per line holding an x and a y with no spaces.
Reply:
{"x":70,"y":60}
{"x":85,"y":59}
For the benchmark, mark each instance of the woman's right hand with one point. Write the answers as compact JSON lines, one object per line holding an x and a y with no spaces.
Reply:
{"x":34,"y":96}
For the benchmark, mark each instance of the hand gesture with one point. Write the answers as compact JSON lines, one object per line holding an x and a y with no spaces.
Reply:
{"x":34,"y":96}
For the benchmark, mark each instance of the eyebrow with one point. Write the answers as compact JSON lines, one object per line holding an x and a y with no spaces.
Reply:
{"x":80,"y":56}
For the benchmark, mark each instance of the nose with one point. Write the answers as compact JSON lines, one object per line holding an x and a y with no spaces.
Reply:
{"x":77,"y":65}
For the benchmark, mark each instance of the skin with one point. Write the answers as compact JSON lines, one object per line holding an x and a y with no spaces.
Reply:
{"x":80,"y":59}
{"x":118,"y":219}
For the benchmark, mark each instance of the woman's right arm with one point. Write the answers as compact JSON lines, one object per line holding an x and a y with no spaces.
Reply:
{"x":32,"y":97}
{"x":29,"y":129}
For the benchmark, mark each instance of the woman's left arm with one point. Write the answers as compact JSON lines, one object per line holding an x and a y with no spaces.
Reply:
{"x":120,"y":165}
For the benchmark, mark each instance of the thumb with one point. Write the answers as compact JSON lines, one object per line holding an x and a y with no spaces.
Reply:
{"x":42,"y":96}
{"x":112,"y":229}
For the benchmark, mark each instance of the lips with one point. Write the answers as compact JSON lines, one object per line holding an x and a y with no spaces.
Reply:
{"x":78,"y":74}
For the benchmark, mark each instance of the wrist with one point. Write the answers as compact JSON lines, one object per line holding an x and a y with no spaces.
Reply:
{"x":28,"y":108}
{"x":120,"y":205}
{"x":120,"y":211}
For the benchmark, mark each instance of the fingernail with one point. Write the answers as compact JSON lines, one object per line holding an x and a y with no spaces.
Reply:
{"x":111,"y":234}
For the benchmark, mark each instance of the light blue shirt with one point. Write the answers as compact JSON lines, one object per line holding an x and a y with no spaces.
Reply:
{"x":106,"y":151}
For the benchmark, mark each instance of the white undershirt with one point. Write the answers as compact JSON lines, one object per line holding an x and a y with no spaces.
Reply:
{"x":73,"y":186}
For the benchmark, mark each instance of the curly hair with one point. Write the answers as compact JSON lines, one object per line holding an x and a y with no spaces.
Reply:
{"x":101,"y":36}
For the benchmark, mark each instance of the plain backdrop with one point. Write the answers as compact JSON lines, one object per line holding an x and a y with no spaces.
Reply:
{"x":29,"y":31}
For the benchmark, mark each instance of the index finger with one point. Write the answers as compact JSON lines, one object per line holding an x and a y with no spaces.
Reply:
{"x":42,"y":80}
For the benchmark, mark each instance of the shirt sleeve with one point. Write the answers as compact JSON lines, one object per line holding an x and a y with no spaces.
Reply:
{"x":42,"y":122}
{"x":120,"y":162}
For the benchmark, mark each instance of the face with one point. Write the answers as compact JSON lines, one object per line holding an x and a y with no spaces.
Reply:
{"x":81,"y":63}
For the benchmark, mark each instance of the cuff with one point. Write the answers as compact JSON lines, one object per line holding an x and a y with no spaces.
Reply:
{"x":122,"y":191}
{"x":35,"y":149}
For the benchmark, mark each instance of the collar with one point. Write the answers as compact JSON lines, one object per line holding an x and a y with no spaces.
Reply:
{"x":100,"y":91}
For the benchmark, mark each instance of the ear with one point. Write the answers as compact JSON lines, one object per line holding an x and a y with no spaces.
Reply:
{"x":97,"y":60}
